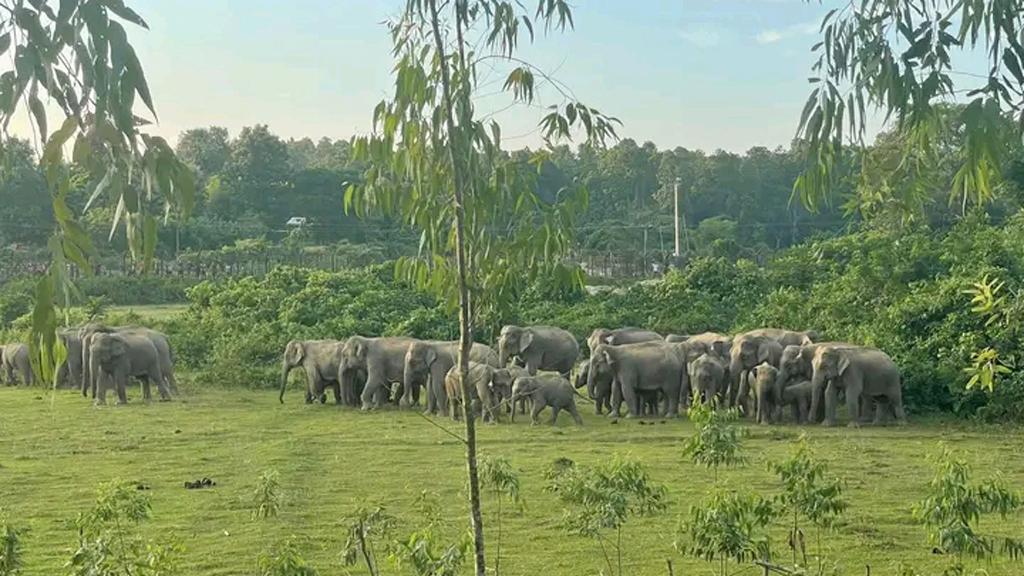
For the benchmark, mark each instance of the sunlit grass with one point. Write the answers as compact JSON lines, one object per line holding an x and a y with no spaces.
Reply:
{"x":330,"y":460}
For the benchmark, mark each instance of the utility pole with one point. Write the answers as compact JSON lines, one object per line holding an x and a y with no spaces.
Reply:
{"x":675,"y":222}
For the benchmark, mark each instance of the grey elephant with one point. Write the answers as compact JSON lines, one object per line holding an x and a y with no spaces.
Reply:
{"x":504,"y":377}
{"x":547,"y":390}
{"x":795,"y":366}
{"x":755,"y":347}
{"x":705,"y":342}
{"x":707,"y":375}
{"x":486,"y":393}
{"x":427,"y":362}
{"x":539,"y":347}
{"x":159,"y":340}
{"x":116,"y":357}
{"x":599,"y":389}
{"x":859,"y":372}
{"x":643,"y":366}
{"x":382,"y":360}
{"x":620,"y":336}
{"x":16,"y":364}
{"x":319,"y":360}
{"x":763,"y":378}
{"x":69,"y":374}
{"x":797,"y":395}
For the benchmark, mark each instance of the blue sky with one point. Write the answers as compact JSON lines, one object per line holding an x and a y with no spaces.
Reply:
{"x":706,"y":74}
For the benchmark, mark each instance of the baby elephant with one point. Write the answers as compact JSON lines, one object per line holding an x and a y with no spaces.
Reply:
{"x":486,"y":392}
{"x":799,"y":397}
{"x":764,"y":376}
{"x":547,"y":390}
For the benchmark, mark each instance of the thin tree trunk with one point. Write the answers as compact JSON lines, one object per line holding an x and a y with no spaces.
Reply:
{"x":460,"y":179}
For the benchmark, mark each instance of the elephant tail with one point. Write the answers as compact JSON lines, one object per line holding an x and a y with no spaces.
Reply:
{"x":585,"y":399}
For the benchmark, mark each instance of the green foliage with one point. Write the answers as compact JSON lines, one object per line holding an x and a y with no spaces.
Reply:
{"x":284,"y":559}
{"x":364,"y":526}
{"x":10,"y":547}
{"x":603,"y":498}
{"x":267,"y":496}
{"x":109,"y":540}
{"x":808,"y":492}
{"x":717,"y":438}
{"x":953,"y":508}
{"x":727,"y":526}
{"x":499,"y":478}
{"x":424,"y":551}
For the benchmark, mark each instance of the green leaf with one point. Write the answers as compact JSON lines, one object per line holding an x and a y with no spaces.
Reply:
{"x":39,"y":113}
{"x":53,"y":151}
{"x":148,"y":241}
{"x":118,"y":7}
{"x":5,"y":42}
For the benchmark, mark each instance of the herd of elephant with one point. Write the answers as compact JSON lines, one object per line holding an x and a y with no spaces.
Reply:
{"x":100,"y":358}
{"x":760,"y":372}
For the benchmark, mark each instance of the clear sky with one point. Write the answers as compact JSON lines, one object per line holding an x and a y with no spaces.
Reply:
{"x":705,"y":74}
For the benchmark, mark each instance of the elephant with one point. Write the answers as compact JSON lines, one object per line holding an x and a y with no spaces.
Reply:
{"x":798,"y":396}
{"x":752,"y":348}
{"x":116,"y":357}
{"x":485,"y":391}
{"x":381,"y":359}
{"x":620,"y":336}
{"x":16,"y":364}
{"x":69,"y":374}
{"x":428,"y":361}
{"x":159,"y":339}
{"x":705,"y":342}
{"x":504,"y":377}
{"x":763,"y":377}
{"x":642,"y":366}
{"x":860,"y":372}
{"x":706,"y":376}
{"x":795,"y":366}
{"x":601,"y":389}
{"x":547,"y":390}
{"x":319,"y":360}
{"x":540,"y":347}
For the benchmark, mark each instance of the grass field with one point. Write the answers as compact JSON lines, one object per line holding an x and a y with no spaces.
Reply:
{"x":151,"y":311}
{"x":55,"y":448}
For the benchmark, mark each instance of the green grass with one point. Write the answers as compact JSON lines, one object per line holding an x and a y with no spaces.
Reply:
{"x":151,"y":311}
{"x":56,"y":448}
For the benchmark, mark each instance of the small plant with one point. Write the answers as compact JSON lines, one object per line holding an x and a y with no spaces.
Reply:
{"x":808,"y":493}
{"x":953,"y":508}
{"x":95,"y":307}
{"x":284,"y":560}
{"x":267,"y":496}
{"x":603,"y":499}
{"x":109,"y":541}
{"x":728,"y":526}
{"x":10,"y":547}
{"x":717,"y":441}
{"x":424,"y":552}
{"x":498,"y":477}
{"x":363,"y":527}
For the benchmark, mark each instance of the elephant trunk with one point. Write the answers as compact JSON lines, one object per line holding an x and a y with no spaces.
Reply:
{"x":512,"y":402}
{"x":591,"y":382}
{"x":502,"y":354}
{"x":286,"y":369}
{"x":818,"y":382}
{"x":94,"y":377}
{"x":735,"y":378}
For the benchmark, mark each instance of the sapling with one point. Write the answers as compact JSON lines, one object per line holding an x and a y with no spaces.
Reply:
{"x":365,"y":525}
{"x":728,"y":526}
{"x":717,"y":440}
{"x":498,"y":477}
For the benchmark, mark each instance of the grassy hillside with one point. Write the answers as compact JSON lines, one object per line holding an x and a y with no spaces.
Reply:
{"x":55,"y":449}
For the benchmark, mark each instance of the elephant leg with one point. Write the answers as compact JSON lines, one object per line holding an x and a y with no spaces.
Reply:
{"x":831,"y":398}
{"x":121,"y":382}
{"x":147,"y":392}
{"x":374,"y":382}
{"x":102,"y":397}
{"x":575,"y":414}
{"x":554,"y":414}
{"x":598,"y":405}
{"x":535,"y":412}
{"x":161,"y":385}
{"x":629,"y":394}
{"x":336,"y":390}
{"x":853,"y":406}
{"x":454,"y":407}
{"x":431,"y":404}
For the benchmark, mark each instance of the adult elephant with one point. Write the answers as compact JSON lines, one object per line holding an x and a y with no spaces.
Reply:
{"x":428,"y":361}
{"x":116,"y":357}
{"x":159,"y":340}
{"x":651,"y":366}
{"x":795,"y":365}
{"x":70,"y":372}
{"x":381,"y":359}
{"x":539,"y":347}
{"x":756,"y":347}
{"x":320,"y":360}
{"x":599,"y":388}
{"x":859,"y":372}
{"x":620,"y":336}
{"x":16,"y":364}
{"x":708,"y":343}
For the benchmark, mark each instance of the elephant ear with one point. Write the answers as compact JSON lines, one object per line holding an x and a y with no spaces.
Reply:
{"x":525,"y":340}
{"x":843,"y":363}
{"x":718,"y":348}
{"x":763,"y":353}
{"x":294,"y":352}
{"x":430,"y":356}
{"x":360,"y":349}
{"x":607,"y":356}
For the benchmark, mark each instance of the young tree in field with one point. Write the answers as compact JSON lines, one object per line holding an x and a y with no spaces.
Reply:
{"x":717,"y":439}
{"x":897,"y":57}
{"x":76,"y":55}
{"x":437,"y":165}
